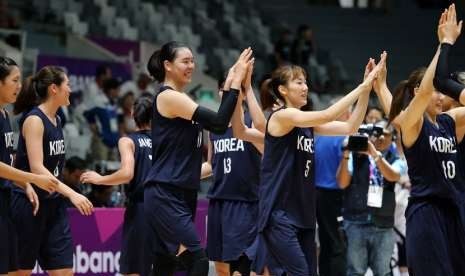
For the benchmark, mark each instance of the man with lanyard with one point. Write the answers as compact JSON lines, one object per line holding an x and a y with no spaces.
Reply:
{"x":369,"y":202}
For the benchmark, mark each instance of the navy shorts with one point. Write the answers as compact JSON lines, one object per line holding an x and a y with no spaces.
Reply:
{"x":231,"y":229}
{"x":8,"y":240}
{"x":45,"y":237}
{"x":135,"y":257}
{"x":169,"y":214}
{"x":264,"y":259}
{"x":435,"y":240}
{"x":293,"y":247}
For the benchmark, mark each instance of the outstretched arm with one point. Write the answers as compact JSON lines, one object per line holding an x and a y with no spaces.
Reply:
{"x":448,"y":31}
{"x":256,"y":113}
{"x":381,"y":88}
{"x":243,"y":132}
{"x":356,"y":118}
{"x":123,"y":175}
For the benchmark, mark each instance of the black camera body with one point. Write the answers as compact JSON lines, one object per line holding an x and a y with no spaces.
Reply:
{"x":359,"y":141}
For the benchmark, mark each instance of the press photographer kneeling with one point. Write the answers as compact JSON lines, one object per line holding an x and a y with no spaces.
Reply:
{"x":368,"y":172}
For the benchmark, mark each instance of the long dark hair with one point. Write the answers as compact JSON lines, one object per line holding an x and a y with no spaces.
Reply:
{"x":269,"y":93}
{"x":35,"y":88}
{"x":167,"y":52}
{"x":404,"y":92}
{"x":6,"y":65}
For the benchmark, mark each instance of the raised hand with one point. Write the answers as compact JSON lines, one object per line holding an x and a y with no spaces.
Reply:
{"x":449,"y":30}
{"x":381,"y":78}
{"x":378,"y":68}
{"x":240,"y":68}
{"x":45,"y":182}
{"x":442,"y":21}
{"x":247,"y":81}
{"x":369,"y":67}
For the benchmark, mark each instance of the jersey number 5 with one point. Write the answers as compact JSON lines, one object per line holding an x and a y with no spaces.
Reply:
{"x":307,"y":167}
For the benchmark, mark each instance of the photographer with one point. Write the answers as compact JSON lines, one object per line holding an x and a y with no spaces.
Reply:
{"x":368,"y":171}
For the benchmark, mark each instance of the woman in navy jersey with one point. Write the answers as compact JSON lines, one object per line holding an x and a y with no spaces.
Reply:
{"x":286,"y":192}
{"x":170,"y":195}
{"x":45,"y":237}
{"x":10,"y":84}
{"x":233,"y":204}
{"x":435,"y":240}
{"x":136,"y":158}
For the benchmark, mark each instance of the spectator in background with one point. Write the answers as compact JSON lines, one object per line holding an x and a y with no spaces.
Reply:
{"x":74,"y":167}
{"x":127,"y":123}
{"x":95,"y":96}
{"x":141,"y":86}
{"x":374,"y":114}
{"x":369,"y":202}
{"x":328,"y":154}
{"x":100,"y":196}
{"x":303,"y":47}
{"x":282,"y":48}
{"x":104,"y":123}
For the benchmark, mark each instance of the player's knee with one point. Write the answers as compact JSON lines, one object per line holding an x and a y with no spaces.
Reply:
{"x":222,"y":269}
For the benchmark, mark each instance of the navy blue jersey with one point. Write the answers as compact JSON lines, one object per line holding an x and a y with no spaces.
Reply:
{"x":236,"y":167}
{"x":433,"y":162}
{"x":176,"y":150}
{"x":6,"y":145}
{"x":143,"y":161}
{"x":287,"y":178}
{"x":53,"y":145}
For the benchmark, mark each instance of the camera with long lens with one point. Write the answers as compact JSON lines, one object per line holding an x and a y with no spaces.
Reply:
{"x":359,"y":141}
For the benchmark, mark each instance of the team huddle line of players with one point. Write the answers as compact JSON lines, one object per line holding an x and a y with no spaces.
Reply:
{"x":261,"y":215}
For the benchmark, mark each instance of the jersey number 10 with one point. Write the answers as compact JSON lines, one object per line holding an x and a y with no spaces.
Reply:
{"x":449,"y":169}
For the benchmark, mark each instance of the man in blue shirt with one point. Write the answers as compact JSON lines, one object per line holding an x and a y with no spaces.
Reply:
{"x":328,"y":154}
{"x":104,"y":123}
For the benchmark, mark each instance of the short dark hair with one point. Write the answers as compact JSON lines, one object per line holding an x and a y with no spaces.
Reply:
{"x":143,"y":109}
{"x":101,"y":70}
{"x":75,"y":163}
{"x":111,"y":83}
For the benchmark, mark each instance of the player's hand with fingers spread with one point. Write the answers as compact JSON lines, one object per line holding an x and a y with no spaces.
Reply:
{"x":84,"y":206}
{"x":45,"y":182}
{"x":90,"y":177}
{"x":449,"y":30}
{"x":33,"y":198}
